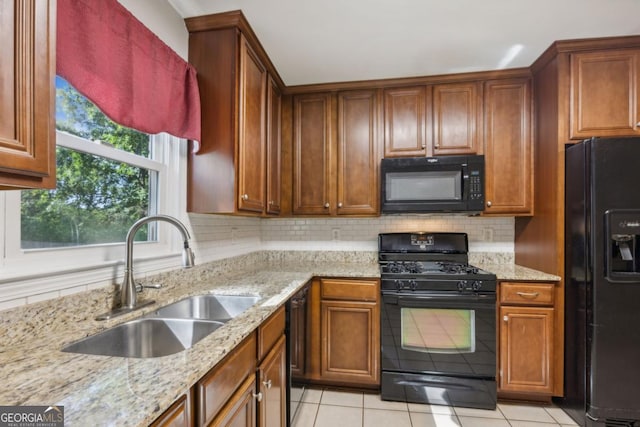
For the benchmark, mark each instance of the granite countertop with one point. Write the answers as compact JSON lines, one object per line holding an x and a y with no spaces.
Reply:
{"x":114,"y":391}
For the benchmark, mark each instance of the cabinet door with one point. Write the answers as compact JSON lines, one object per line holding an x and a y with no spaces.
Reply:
{"x":272,"y":377}
{"x":508,"y":147}
{"x":240,"y":410}
{"x":27,"y":94}
{"x":274,"y":155}
{"x":251,"y":131}
{"x":350,"y":342}
{"x":180,"y":414}
{"x":457,"y":118}
{"x":405,"y":121}
{"x":312,"y":154}
{"x":526,"y":349}
{"x":604,"y":100}
{"x":358,"y":157}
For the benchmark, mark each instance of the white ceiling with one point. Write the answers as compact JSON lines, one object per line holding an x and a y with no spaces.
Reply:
{"x":319,"y":41}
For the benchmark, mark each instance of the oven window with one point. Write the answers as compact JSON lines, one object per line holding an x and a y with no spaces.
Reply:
{"x":436,"y":330}
{"x":432,"y":185}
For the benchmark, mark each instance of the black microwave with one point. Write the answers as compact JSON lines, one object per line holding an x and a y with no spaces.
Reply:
{"x":432,"y":184}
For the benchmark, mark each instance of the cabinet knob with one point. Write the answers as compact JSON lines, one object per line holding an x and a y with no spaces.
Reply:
{"x":245,"y":197}
{"x":267,"y":384}
{"x":258,"y":396}
{"x":326,"y":205}
{"x":340,"y":204}
{"x":505,"y":318}
{"x":436,"y":145}
{"x":270,"y":202}
{"x":424,"y":145}
{"x":489,"y":203}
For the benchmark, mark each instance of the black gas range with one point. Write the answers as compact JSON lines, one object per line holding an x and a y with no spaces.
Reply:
{"x":438,"y":321}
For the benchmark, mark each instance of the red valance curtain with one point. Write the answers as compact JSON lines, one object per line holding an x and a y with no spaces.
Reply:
{"x":126,"y":70}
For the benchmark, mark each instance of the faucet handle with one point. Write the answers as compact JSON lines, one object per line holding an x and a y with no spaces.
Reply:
{"x":140,"y":287}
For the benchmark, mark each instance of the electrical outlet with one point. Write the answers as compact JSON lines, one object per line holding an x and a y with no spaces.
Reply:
{"x":335,"y":234}
{"x":487,"y":234}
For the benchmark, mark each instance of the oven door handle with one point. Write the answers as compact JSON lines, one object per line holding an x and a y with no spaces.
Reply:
{"x":457,"y":301}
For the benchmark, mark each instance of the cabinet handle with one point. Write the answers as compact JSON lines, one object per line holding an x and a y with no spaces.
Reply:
{"x":340,"y":205}
{"x":530,"y":295}
{"x":326,"y":205}
{"x":489,"y":203}
{"x":267,"y":384}
{"x":258,"y":396}
{"x":505,"y":318}
{"x":245,"y":197}
{"x":270,"y":202}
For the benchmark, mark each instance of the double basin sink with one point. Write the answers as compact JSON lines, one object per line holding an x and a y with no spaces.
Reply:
{"x":168,"y":330}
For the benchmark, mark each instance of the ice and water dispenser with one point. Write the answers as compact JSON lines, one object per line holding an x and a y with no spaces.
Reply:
{"x":623,"y":239}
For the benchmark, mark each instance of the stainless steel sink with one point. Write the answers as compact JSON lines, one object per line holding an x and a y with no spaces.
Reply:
{"x":145,"y":337}
{"x":221,"y":308}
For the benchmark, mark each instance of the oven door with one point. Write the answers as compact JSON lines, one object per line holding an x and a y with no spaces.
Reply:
{"x":439,"y":333}
{"x":439,"y":349}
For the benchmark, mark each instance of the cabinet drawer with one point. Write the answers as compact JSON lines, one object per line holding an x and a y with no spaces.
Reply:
{"x":526,"y":293}
{"x":349,"y":289}
{"x":269,"y":332}
{"x":215,"y":388}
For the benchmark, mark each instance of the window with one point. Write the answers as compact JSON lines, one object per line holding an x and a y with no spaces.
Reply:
{"x":106,"y":180}
{"x":108,"y":177}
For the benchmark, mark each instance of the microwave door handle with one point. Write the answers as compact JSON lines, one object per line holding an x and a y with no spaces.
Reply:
{"x":465,"y":182}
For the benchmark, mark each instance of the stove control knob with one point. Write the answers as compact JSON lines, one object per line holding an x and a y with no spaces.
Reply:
{"x":462,"y":285}
{"x":398,"y":284}
{"x":476,"y":285}
{"x":413,"y":285}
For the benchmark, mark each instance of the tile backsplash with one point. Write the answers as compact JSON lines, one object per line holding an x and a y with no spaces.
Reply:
{"x":216,"y":237}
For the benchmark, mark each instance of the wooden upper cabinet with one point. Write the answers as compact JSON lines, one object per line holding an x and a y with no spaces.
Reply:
{"x":312,"y":154}
{"x":604,"y":94}
{"x":251,"y":130}
{"x":357,"y":152}
{"x":457,"y":118}
{"x":274,"y":146}
{"x":27,"y":94}
{"x":405,"y":121}
{"x":236,"y":170}
{"x":508,"y":147}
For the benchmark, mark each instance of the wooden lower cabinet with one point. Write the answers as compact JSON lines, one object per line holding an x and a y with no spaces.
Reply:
{"x":272,"y":377}
{"x":247,"y":388}
{"x":344,"y":318}
{"x":526,"y":323}
{"x":180,"y":414}
{"x":240,"y":410}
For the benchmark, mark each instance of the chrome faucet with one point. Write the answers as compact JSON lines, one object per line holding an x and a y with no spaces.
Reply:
{"x":128,"y":291}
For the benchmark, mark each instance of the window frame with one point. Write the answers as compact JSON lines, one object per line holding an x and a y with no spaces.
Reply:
{"x":52,"y":272}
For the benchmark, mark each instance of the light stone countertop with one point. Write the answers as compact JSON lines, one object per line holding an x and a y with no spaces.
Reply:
{"x":114,"y":391}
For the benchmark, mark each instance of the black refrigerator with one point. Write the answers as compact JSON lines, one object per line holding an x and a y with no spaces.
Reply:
{"x":602,"y":282}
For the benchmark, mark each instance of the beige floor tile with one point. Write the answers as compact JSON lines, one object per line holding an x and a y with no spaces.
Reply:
{"x":482,"y":422}
{"x":312,"y":395}
{"x":306,"y":415}
{"x":560,"y":416}
{"x":425,"y":419}
{"x":373,"y":401}
{"x":386,"y":418}
{"x":431,"y":409}
{"x":338,"y":416}
{"x":517,"y":423}
{"x":526,"y":413}
{"x":479,"y":413}
{"x":341,"y":398}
